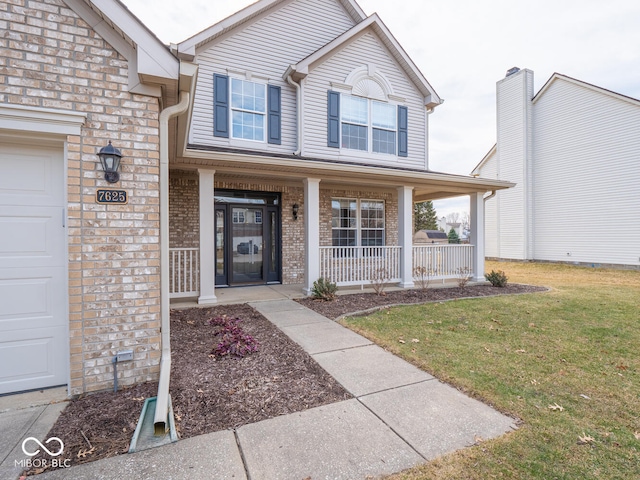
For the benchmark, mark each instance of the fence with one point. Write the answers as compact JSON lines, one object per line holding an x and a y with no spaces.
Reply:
{"x":184,"y":272}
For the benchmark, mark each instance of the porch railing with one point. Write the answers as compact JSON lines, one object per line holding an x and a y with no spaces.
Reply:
{"x":184,"y":272}
{"x":359,"y":265}
{"x":443,"y":261}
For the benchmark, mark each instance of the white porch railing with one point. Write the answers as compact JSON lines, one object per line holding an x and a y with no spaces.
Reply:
{"x":443,"y":261}
{"x":184,"y":272}
{"x":359,"y":265}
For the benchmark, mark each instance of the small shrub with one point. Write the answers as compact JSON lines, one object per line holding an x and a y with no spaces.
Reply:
{"x":232,"y":338}
{"x":380,"y":280}
{"x":497,"y":279}
{"x":463,"y":275}
{"x":324,"y":289}
{"x":423,"y":277}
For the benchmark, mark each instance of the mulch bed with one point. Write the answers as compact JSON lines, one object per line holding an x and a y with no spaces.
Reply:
{"x":347,"y":304}
{"x":208,"y":393}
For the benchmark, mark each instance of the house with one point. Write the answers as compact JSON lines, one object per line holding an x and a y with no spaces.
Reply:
{"x":572,"y":150}
{"x":285,"y":143}
{"x":430,"y":236}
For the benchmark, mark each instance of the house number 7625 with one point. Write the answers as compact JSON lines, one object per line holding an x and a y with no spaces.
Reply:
{"x":111,"y":196}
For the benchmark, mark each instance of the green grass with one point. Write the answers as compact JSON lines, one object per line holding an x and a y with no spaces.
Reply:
{"x":525,"y":353}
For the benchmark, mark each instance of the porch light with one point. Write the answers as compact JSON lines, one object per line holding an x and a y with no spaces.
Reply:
{"x":110,"y":159}
{"x":296,"y":207}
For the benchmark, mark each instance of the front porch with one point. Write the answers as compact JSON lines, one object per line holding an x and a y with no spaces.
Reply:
{"x":346,"y":266}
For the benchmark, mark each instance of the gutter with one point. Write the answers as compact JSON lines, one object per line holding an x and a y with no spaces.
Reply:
{"x":298,"y":88}
{"x":493,"y":194}
{"x":160,"y":421}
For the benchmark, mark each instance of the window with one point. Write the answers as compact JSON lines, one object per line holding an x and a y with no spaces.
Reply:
{"x":357,"y":222}
{"x":367,"y":122}
{"x":257,"y":216}
{"x":248,"y":110}
{"x":238,"y":216}
{"x":368,"y":125}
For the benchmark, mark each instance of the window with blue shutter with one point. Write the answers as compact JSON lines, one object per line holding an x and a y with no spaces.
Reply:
{"x":333,"y":119}
{"x":403,"y":135}
{"x":221,"y":106}
{"x":274,"y":117}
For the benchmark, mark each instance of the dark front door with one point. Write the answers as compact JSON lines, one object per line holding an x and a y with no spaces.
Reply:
{"x":248,"y":241}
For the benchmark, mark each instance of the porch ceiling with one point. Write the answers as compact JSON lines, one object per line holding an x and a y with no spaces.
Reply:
{"x":427,"y":185}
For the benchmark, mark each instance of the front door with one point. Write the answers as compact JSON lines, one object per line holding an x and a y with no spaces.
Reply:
{"x":247,"y":239}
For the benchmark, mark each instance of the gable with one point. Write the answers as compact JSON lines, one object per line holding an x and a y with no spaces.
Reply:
{"x":333,"y":10}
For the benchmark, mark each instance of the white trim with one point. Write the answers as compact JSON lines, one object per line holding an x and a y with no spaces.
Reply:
{"x":575,"y":81}
{"x":207,"y":237}
{"x":312,"y":232}
{"x":43,"y":120}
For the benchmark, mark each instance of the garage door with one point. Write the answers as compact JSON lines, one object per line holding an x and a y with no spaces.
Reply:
{"x":33,"y":284}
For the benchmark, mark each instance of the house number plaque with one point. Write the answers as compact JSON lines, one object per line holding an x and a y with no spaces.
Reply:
{"x":111,"y":196}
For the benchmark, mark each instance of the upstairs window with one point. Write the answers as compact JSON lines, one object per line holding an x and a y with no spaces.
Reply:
{"x":248,"y":110}
{"x":368,"y":125}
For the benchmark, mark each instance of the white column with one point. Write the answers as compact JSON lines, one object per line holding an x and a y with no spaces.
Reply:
{"x":405,"y":235}
{"x":312,"y":232}
{"x":207,"y":239}
{"x":476,"y":202}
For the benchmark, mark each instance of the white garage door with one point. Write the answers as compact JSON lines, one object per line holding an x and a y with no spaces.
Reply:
{"x":33,"y":285}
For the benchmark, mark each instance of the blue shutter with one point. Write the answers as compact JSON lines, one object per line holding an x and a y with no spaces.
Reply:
{"x":220,"y":106}
{"x":333,"y":119}
{"x":273,"y":117}
{"x":403,"y":137}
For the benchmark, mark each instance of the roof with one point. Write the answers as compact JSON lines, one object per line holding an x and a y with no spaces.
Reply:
{"x":187,"y":48}
{"x":435,"y":234}
{"x":476,"y":170}
{"x":374,"y":23}
{"x":558,"y":76}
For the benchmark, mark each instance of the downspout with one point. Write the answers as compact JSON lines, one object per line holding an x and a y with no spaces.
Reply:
{"x":298,"y":88}
{"x":493,"y":194}
{"x":160,"y":424}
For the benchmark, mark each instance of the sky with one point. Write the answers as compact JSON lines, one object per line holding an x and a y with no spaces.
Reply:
{"x":463,"y":47}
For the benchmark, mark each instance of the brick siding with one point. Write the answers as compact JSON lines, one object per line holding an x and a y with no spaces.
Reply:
{"x":50,"y":58}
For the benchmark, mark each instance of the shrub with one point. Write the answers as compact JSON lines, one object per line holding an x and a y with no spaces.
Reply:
{"x":423,"y":277}
{"x":463,"y":275}
{"x":380,"y":280}
{"x":324,"y":289}
{"x":497,"y":279}
{"x":232,"y":338}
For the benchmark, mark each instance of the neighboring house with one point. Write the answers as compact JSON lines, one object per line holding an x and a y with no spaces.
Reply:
{"x":430,"y":236}
{"x":573,"y":151}
{"x":447,"y":226}
{"x":285,"y":143}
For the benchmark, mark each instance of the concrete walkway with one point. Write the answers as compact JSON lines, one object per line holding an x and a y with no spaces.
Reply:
{"x":400,"y":417}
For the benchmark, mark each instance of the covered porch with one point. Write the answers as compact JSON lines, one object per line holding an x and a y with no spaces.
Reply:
{"x":351,"y":224}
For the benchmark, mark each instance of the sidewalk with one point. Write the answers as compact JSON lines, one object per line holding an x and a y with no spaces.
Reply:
{"x":400,"y":417}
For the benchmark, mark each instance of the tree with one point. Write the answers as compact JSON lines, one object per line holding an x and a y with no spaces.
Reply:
{"x":453,"y":236}
{"x":453,"y":217}
{"x":425,"y":217}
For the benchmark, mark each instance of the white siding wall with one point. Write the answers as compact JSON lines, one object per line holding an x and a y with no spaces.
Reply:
{"x":587,"y":176}
{"x":514,"y":95}
{"x":266,"y":48}
{"x":491,"y":213}
{"x":364,"y":50}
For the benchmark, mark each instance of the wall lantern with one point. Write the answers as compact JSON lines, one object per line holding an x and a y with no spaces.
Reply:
{"x":295,"y":211}
{"x":110,"y":159}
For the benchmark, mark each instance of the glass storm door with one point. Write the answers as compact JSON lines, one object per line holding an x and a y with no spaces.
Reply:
{"x":221,"y":243}
{"x":247,"y":228}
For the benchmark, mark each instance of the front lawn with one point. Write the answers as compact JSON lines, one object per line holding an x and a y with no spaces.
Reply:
{"x":565,"y":362}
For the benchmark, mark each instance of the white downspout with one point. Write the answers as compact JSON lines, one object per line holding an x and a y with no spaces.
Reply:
{"x":298,"y":88}
{"x":162,"y":401}
{"x":493,"y":194}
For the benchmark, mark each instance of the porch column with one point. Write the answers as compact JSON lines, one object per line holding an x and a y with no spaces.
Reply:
{"x":207,"y":238}
{"x":476,"y":202}
{"x":312,"y":232}
{"x":405,"y":235}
